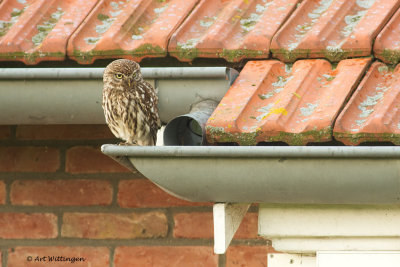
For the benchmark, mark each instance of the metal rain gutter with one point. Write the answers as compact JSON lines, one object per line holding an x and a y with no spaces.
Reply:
{"x":234,"y":177}
{"x":73,"y":95}
{"x":303,"y":175}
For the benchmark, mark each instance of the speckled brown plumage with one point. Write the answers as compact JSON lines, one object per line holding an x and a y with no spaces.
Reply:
{"x":130,"y":104}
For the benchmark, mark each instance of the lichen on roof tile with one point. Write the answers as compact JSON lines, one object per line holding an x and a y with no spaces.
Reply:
{"x":270,"y":102}
{"x":365,"y":3}
{"x":232,"y":30}
{"x":105,"y":20}
{"x":302,"y":29}
{"x":387,"y":43}
{"x":10,"y":13}
{"x":373,"y":112}
{"x":130,"y":29}
{"x":48,"y":25}
{"x":33,"y":31}
{"x":332,"y":29}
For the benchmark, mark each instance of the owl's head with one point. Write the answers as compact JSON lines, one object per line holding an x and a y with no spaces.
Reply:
{"x":122,"y":74}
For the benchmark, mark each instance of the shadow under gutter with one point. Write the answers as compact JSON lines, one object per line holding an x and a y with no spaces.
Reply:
{"x":74,"y":95}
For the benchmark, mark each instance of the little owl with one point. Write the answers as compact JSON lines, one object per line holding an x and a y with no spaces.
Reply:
{"x":130,"y":104}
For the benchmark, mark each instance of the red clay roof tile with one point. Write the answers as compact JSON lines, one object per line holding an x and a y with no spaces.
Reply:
{"x":232,"y":30}
{"x":129,"y":29}
{"x":373,"y":112}
{"x":270,"y":102}
{"x":33,"y":31}
{"x":332,"y":29}
{"x":387,"y":43}
{"x":37,"y":30}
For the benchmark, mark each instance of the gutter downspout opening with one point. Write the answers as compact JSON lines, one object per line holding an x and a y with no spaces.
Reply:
{"x":189,"y":129}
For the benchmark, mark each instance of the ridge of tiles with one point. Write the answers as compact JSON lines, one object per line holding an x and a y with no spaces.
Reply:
{"x":373,"y":112}
{"x":269,"y":101}
{"x":132,"y":29}
{"x":36,"y":30}
{"x":232,"y":30}
{"x":387,"y":43}
{"x":332,"y":29}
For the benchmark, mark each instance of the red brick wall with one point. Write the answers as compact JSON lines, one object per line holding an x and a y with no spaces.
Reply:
{"x":60,"y":196}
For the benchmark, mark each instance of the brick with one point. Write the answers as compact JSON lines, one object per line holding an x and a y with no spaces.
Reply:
{"x":200,"y":225}
{"x":140,"y":193}
{"x":42,"y":256}
{"x":2,"y":193}
{"x":63,"y":132}
{"x":253,"y":256}
{"x":185,"y":256}
{"x":61,"y":192}
{"x":24,"y":226}
{"x":29,"y":159}
{"x":248,"y":229}
{"x":5,"y":132}
{"x":85,"y":159}
{"x":193,"y":225}
{"x":114,"y":226}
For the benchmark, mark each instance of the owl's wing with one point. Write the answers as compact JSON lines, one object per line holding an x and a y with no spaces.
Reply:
{"x":156,"y":107}
{"x":150,"y":105}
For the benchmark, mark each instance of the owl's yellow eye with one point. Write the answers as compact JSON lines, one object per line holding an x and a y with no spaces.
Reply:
{"x":118,"y":75}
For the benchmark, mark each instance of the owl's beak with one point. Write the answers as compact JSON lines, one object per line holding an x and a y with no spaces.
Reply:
{"x":131,"y":80}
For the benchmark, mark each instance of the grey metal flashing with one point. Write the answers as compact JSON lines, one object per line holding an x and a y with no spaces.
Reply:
{"x":50,"y":73}
{"x":73,"y":95}
{"x":97,"y":73}
{"x":254,"y":151}
{"x":306,"y":175}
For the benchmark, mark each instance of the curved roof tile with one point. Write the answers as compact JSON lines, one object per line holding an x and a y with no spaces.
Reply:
{"x":373,"y":112}
{"x":129,"y":29}
{"x":232,"y":30}
{"x":387,"y":43}
{"x":270,"y":101}
{"x":332,"y":29}
{"x":34,"y":31}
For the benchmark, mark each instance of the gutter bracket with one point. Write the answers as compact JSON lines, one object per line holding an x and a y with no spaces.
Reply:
{"x":227,"y":218}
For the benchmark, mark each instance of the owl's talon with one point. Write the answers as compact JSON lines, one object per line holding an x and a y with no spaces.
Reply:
{"x":127,"y":144}
{"x":123,"y":144}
